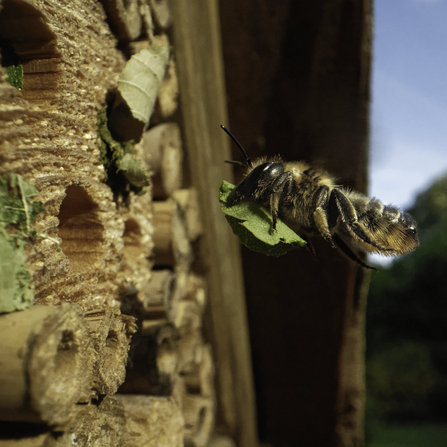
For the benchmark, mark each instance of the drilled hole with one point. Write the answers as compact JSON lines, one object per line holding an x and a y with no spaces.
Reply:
{"x":65,"y":359}
{"x":80,"y":229}
{"x":112,"y":340}
{"x":23,"y":28}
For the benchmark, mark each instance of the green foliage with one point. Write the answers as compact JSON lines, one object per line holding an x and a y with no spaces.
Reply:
{"x":414,"y":435}
{"x":408,"y":304}
{"x":140,"y":81}
{"x":15,"y":76}
{"x":124,"y":171}
{"x":252,"y":223}
{"x":400,"y":379}
{"x":11,"y":61}
{"x":17,"y":213}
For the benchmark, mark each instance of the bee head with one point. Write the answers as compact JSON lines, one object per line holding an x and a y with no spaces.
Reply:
{"x":257,"y":185}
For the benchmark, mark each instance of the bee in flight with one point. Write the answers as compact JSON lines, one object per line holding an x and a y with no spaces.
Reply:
{"x":309,"y":201}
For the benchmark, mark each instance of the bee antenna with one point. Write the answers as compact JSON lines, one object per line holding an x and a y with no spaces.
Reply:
{"x":249,"y":163}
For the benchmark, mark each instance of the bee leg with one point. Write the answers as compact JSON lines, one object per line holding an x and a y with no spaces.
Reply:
{"x":348,"y":215}
{"x":320,"y":216}
{"x":349,"y":253}
{"x":278,"y":187}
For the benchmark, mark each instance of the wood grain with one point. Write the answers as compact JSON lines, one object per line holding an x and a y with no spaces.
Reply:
{"x":203,"y":100}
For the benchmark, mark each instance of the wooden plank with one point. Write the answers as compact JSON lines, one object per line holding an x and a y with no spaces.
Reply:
{"x":200,"y":70}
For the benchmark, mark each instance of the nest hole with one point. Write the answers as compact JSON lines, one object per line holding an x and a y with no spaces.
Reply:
{"x":26,"y":39}
{"x":80,"y":229}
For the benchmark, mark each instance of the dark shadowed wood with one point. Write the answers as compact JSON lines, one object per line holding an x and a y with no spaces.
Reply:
{"x":203,"y":104}
{"x":297,"y":78}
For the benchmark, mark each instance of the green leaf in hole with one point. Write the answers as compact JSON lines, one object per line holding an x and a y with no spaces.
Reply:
{"x":15,"y":76}
{"x":122,"y":167}
{"x":134,"y":170}
{"x":140,"y":81}
{"x":252,"y":223}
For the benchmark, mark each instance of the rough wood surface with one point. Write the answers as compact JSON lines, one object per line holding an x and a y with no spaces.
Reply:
{"x":162,"y":14}
{"x":46,"y":364}
{"x":200,"y":72}
{"x":50,"y":141}
{"x":171,"y":243}
{"x":95,"y":426}
{"x":124,"y":18}
{"x":189,"y":206}
{"x":167,"y":100}
{"x":152,"y":421}
{"x":110,"y":333}
{"x":161,"y":149}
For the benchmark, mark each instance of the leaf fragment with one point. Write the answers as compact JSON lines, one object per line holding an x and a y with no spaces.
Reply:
{"x":252,"y":223}
{"x":140,"y":81}
{"x":124,"y":171}
{"x":17,"y":211}
{"x":15,"y":76}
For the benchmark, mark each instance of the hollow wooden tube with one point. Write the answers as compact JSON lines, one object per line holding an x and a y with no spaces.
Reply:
{"x":102,"y":425}
{"x":155,"y":298}
{"x":186,"y":199}
{"x":198,"y":412}
{"x":161,"y":13}
{"x":46,"y":364}
{"x":111,"y":333}
{"x":154,"y":360}
{"x":161,"y":149}
{"x":152,"y":421}
{"x":167,"y":100}
{"x":124,"y":18}
{"x":171,"y":243}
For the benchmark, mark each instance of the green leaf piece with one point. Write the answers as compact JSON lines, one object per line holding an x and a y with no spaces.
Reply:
{"x":15,"y":76}
{"x":18,"y":212}
{"x":134,"y":170}
{"x":16,"y":207}
{"x":252,"y":223}
{"x":123,"y":170}
{"x":140,"y":81}
{"x":15,"y":290}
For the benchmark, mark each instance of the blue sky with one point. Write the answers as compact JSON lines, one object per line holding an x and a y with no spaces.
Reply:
{"x":409,"y":98}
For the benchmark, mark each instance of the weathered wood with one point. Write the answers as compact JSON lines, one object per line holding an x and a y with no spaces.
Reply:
{"x":152,"y":421}
{"x":200,"y":72}
{"x":161,"y":12}
{"x":53,"y":144}
{"x":167,"y":100}
{"x":153,"y":301}
{"x":111,"y":333}
{"x":188,"y":321}
{"x":201,"y":379}
{"x":171,"y":243}
{"x":153,"y":364}
{"x":187,"y":201}
{"x":136,"y":213}
{"x":124,"y":18}
{"x":103,"y":425}
{"x":161,"y":149}
{"x":199,"y":419}
{"x":46,"y":364}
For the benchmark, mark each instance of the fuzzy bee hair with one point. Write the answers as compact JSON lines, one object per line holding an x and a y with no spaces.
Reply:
{"x":309,"y":201}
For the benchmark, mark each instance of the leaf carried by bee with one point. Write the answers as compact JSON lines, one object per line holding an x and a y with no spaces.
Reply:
{"x":252,"y":223}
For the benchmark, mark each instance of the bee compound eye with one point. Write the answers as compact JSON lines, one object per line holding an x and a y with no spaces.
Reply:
{"x":272,"y":170}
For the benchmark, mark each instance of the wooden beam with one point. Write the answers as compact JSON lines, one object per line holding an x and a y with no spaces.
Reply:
{"x":203,"y":101}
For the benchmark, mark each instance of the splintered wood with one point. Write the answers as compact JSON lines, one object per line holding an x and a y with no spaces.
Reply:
{"x":112,"y":352}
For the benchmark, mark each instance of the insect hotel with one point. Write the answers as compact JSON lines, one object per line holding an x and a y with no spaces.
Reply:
{"x":128,"y":315}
